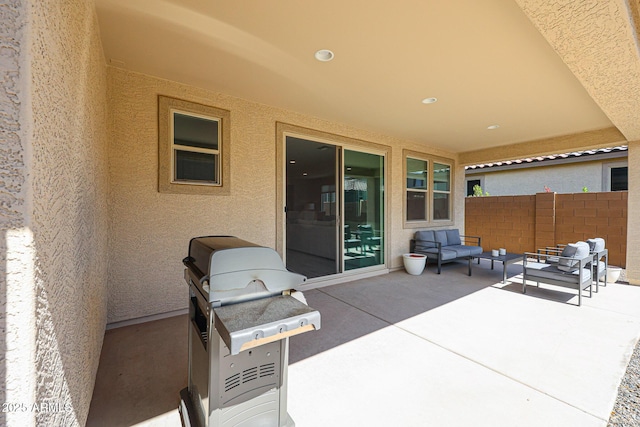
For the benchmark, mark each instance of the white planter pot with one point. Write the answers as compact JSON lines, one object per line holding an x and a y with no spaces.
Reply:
{"x":414,"y":263}
{"x":613,"y":274}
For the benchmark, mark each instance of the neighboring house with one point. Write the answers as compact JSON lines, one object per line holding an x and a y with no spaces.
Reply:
{"x":603,"y":169}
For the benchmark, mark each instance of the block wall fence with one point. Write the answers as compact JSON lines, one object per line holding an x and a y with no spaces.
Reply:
{"x":526,"y":223}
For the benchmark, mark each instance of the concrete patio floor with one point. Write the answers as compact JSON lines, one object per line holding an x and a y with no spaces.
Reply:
{"x":401,"y":350}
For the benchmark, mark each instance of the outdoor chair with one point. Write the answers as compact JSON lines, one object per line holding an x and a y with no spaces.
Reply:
{"x":573,"y":269}
{"x":369,"y":239}
{"x":599,"y":265}
{"x":350,"y":241}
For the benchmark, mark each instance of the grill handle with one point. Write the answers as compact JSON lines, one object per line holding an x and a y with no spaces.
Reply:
{"x":200,"y":276}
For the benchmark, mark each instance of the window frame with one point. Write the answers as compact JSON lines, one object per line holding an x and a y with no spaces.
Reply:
{"x":430,"y":191}
{"x":167,"y":182}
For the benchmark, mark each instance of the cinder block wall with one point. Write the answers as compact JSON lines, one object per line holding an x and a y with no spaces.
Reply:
{"x":525,"y":223}
{"x":502,"y":221}
{"x":581,"y":216}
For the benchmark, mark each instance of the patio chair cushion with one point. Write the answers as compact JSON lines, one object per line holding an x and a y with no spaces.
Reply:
{"x":445,"y":254}
{"x":424,"y":240}
{"x":540,"y":270}
{"x":453,"y":237}
{"x":596,"y":245}
{"x":573,"y":252}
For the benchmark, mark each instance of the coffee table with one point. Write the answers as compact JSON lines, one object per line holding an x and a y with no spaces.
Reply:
{"x":506,"y":259}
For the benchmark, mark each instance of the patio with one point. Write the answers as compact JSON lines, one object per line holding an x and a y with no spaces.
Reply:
{"x":437,"y":350}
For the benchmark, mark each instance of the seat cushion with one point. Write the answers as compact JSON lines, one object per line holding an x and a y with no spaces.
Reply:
{"x":465,"y":250}
{"x":453,"y":237}
{"x":460,"y":250}
{"x":448,"y":255}
{"x":539,"y":270}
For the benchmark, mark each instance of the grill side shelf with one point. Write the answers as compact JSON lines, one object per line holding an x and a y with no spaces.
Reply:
{"x":253,"y":323}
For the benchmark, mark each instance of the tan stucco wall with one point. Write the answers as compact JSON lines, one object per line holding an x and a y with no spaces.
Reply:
{"x":150,"y":231}
{"x":633,"y":223}
{"x":17,"y":337}
{"x":55,"y":243}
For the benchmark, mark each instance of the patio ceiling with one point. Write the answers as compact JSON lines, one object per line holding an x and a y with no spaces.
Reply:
{"x":562,"y":75}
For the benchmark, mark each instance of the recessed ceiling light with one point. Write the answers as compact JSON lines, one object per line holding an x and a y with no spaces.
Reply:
{"x":293,"y":162}
{"x":492,"y":127}
{"x":429,"y":100}
{"x":324,"y":55}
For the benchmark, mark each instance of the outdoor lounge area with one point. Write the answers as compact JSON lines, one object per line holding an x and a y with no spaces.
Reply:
{"x":330,"y":133}
{"x":403,"y":350}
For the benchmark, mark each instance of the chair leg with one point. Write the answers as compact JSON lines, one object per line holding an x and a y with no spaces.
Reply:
{"x":439,"y":265}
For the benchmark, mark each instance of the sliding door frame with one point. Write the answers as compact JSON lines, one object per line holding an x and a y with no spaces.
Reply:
{"x":284,"y":130}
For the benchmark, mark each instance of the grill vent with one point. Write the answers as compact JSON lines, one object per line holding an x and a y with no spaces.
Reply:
{"x":249,"y":374}
{"x":232,"y":382}
{"x":267,"y":370}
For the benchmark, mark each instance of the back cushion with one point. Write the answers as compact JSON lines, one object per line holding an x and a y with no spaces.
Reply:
{"x":596,"y":245}
{"x":421,"y":238}
{"x":569,"y":251}
{"x":453,"y":237}
{"x":583,"y":250}
{"x":574,"y":252}
{"x":441,"y":236}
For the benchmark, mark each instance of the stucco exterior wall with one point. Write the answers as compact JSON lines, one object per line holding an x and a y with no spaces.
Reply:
{"x":17,"y":337}
{"x":55,"y":231}
{"x":633,"y":225}
{"x":150,"y":231}
{"x":568,"y":178}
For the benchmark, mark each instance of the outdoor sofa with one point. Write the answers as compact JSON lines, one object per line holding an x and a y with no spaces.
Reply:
{"x":445,"y":246}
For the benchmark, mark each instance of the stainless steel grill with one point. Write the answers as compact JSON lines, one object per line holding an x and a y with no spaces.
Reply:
{"x":243,"y":308}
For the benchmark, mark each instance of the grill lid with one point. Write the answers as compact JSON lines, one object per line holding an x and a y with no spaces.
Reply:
{"x":231,"y":269}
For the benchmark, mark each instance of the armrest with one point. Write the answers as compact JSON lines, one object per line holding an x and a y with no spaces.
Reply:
{"x":412,"y":246}
{"x":476,"y":238}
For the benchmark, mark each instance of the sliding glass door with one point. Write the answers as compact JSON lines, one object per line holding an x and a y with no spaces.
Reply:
{"x":311,"y":208}
{"x":334,"y":208}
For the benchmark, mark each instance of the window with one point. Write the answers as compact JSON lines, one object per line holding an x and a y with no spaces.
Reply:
{"x":417,"y":191}
{"x":615,"y":176}
{"x":441,"y":191}
{"x":429,"y":186}
{"x":193,"y":148}
{"x":472,"y":183}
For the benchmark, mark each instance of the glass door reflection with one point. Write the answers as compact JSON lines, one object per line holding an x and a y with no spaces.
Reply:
{"x":363,"y":218}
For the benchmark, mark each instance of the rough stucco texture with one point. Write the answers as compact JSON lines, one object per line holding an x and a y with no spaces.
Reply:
{"x":68,"y":176}
{"x":12,"y":211}
{"x":598,"y":45}
{"x":149,"y":231}
{"x":633,"y":225}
